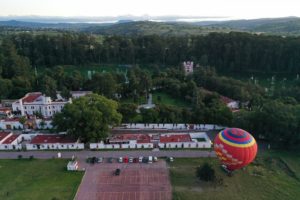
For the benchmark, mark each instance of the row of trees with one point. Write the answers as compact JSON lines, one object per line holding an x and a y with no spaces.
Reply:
{"x":241,"y":52}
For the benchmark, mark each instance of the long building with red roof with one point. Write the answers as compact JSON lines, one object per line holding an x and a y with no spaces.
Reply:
{"x":52,"y":141}
{"x":10,"y":141}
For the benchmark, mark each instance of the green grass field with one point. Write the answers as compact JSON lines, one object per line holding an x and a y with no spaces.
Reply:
{"x":272,"y":176}
{"x":168,"y":100}
{"x":37,"y":180}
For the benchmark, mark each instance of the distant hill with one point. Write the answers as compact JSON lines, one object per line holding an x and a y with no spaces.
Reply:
{"x":282,"y":26}
{"x":127,"y":27}
{"x":150,"y":28}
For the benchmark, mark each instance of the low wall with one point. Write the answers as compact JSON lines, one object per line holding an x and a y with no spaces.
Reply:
{"x":10,"y":146}
{"x":55,"y":146}
{"x":121,"y":146}
{"x":171,"y":126}
{"x":185,"y":145}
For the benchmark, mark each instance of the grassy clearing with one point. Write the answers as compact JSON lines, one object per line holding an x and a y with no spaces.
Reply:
{"x":168,"y":100}
{"x":37,"y":179}
{"x":269,"y":177}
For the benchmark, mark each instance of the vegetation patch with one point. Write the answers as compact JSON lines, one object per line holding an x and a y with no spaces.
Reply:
{"x":37,"y":179}
{"x":259,"y":180}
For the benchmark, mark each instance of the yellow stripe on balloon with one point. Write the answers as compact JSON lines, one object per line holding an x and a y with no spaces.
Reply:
{"x":237,"y":145}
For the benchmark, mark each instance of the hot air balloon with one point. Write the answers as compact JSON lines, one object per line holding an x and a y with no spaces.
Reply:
{"x":235,"y":148}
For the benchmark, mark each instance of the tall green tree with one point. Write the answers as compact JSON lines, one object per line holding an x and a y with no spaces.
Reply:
{"x":88,"y":118}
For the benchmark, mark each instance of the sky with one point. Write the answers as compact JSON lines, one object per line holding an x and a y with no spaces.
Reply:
{"x":239,"y":9}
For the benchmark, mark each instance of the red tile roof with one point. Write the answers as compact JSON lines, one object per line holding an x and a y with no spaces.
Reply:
{"x":5,"y":110}
{"x":226,"y":100}
{"x":11,"y":119}
{"x":3,"y":135}
{"x":31,"y":97}
{"x":46,"y":139}
{"x":175,"y":138}
{"x":140,"y":138}
{"x":10,"y":139}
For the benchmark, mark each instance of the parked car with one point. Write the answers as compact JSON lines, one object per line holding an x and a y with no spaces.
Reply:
{"x":171,"y":159}
{"x":135,"y":160}
{"x":99,"y":160}
{"x":117,"y":172}
{"x":140,"y":159}
{"x":120,"y":159}
{"x":125,"y":160}
{"x":145,"y":160}
{"x":131,"y":160}
{"x":150,"y":159}
{"x":155,"y":159}
{"x":110,"y":160}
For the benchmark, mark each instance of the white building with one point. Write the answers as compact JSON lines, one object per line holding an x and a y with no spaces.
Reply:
{"x":230,"y":103}
{"x":43,"y":142}
{"x":10,"y":123}
{"x":10,"y":141}
{"x":188,"y":67}
{"x":37,"y":102}
{"x":72,"y":166}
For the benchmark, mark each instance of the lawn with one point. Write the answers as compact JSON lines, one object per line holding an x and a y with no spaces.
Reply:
{"x":168,"y":100}
{"x":271,"y":176}
{"x":37,"y":179}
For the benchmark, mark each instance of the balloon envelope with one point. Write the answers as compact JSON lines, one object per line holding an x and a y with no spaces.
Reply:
{"x":235,"y":148}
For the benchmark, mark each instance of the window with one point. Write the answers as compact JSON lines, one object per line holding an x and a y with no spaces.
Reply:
{"x":25,"y":107}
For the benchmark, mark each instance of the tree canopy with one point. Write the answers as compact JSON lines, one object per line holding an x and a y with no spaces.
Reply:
{"x":88,"y":118}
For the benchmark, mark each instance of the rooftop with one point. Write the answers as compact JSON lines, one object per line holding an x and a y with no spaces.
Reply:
{"x":31,"y":97}
{"x":10,"y":139}
{"x":226,"y":100}
{"x":49,"y":139}
{"x":140,"y":138}
{"x":11,"y":120}
{"x":175,"y":138}
{"x":5,"y":110}
{"x":3,"y":135}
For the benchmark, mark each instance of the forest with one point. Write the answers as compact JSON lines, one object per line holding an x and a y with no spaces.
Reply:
{"x":155,"y":66}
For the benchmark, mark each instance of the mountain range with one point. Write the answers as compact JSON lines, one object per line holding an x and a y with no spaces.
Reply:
{"x":288,"y":26}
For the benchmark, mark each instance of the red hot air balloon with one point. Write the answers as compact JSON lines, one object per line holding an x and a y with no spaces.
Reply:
{"x":235,"y":148}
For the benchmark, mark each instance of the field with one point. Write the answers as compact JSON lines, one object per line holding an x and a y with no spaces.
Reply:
{"x":272,"y":176}
{"x":135,"y":182}
{"x":37,"y":179}
{"x":163,"y":98}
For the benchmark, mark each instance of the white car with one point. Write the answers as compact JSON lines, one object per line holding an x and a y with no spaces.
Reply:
{"x":120,"y":159}
{"x":150,"y":159}
{"x":131,"y":159}
{"x":140,"y":159}
{"x":171,"y":159}
{"x":155,"y":159}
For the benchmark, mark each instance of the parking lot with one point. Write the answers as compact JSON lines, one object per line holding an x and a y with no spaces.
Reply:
{"x":137,"y":181}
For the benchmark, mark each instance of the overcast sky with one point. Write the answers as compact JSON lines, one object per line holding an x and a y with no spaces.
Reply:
{"x":224,"y":8}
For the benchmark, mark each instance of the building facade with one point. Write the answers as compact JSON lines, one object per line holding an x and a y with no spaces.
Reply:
{"x":36,"y":102}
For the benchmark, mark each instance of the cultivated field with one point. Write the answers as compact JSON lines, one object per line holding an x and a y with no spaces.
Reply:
{"x":272,"y":176}
{"x":37,"y":180}
{"x":137,"y":181}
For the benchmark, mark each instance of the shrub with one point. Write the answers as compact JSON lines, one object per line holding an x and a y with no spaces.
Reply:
{"x":206,"y":172}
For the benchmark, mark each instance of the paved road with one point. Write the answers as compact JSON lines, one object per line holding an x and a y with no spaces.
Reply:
{"x":114,"y":154}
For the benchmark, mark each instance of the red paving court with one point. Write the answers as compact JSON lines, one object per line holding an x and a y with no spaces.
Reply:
{"x":137,"y":181}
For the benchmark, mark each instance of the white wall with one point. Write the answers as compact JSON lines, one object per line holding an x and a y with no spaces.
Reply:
{"x":13,"y":124}
{"x":122,"y":146}
{"x":187,"y":145}
{"x":171,"y":126}
{"x":59,"y":146}
{"x":10,"y":146}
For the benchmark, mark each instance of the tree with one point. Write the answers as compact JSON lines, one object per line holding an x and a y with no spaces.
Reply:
{"x":88,"y":118}
{"x":128,"y":111}
{"x":22,"y":120}
{"x":206,"y":172}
